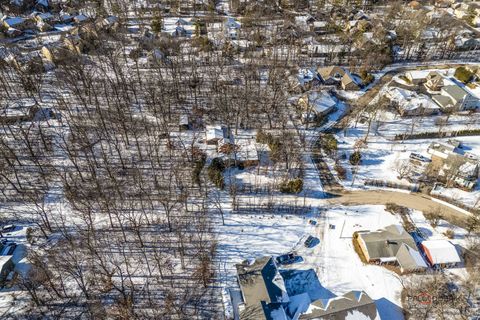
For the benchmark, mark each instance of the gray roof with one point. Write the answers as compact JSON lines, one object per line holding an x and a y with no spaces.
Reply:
{"x":442,"y":101}
{"x":257,"y":281}
{"x":386,"y":243}
{"x":455,"y":92}
{"x":339,"y":307}
{"x":410,"y":259}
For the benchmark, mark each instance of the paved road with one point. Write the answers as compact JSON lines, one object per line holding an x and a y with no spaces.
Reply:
{"x":411,"y":200}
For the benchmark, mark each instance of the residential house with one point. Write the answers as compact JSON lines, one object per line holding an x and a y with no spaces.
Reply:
{"x":81,"y":19}
{"x":316,"y":104}
{"x":56,"y":53}
{"x":216,"y":134}
{"x":440,"y":253}
{"x":454,"y":96}
{"x":232,"y":29}
{"x":441,"y":150}
{"x":320,"y":27}
{"x":262,"y":287}
{"x":467,"y":174}
{"x":416,"y":77}
{"x":267,"y":295}
{"x":331,"y":75}
{"x":29,"y":62}
{"x":342,"y":307}
{"x":18,"y":23}
{"x":391,"y":245}
{"x":46,"y":17}
{"x":449,"y":156}
{"x":17,"y":111}
{"x":335,"y":75}
{"x":434,"y":81}
{"x":350,"y":82}
{"x":409,"y":103}
{"x":110,"y":23}
{"x":6,"y":266}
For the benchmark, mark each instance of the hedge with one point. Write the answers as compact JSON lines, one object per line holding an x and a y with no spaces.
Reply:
{"x":436,"y":134}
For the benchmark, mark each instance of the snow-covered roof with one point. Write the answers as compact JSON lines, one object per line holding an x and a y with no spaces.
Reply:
{"x":13,"y":21}
{"x":42,"y":3}
{"x":410,"y":100}
{"x":441,"y":251}
{"x":45,"y":16}
{"x":321,"y":101}
{"x":233,"y":24}
{"x":215,"y":132}
{"x":81,"y":18}
{"x":418,"y":74}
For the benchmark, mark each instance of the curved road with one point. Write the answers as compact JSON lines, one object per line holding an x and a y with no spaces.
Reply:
{"x":411,"y":200}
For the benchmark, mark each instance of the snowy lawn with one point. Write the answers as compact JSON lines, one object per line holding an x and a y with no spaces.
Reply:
{"x":332,"y":260}
{"x":382,"y":156}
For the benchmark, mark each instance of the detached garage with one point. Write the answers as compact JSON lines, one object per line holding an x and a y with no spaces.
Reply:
{"x":440,"y":253}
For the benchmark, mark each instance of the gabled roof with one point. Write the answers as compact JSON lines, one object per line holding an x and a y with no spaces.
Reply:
{"x":340,"y":307}
{"x":441,"y":251}
{"x":14,"y":21}
{"x":410,"y":259}
{"x":455,"y":92}
{"x":260,"y":281}
{"x":384,"y":244}
{"x":330,"y":72}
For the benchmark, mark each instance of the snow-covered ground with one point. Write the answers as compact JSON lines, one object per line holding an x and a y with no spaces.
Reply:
{"x":248,"y":236}
{"x":381,"y":156}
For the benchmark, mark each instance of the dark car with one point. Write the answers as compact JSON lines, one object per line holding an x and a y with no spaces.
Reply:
{"x":288,"y":258}
{"x":8,"y":249}
{"x":8,"y":228}
{"x":311,"y":242}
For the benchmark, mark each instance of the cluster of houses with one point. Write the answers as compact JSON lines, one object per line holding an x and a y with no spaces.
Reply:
{"x":15,"y":26}
{"x":77,"y":40}
{"x":393,"y":245}
{"x":267,"y":295}
{"x":463,"y":167}
{"x":470,"y":11}
{"x":441,"y":94}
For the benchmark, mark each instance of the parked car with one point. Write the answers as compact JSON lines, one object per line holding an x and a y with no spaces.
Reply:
{"x":311,"y":242}
{"x":8,"y":228}
{"x":8,"y":248}
{"x":288,"y":258}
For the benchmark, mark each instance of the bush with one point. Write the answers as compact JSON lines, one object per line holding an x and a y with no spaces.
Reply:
{"x":449,"y":234}
{"x":433,"y":218}
{"x":157,"y":24}
{"x":215,"y":172}
{"x":329,"y":143}
{"x":355,"y":158}
{"x":341,"y":171}
{"x":367,"y":78}
{"x":263,"y":137}
{"x":436,"y":134}
{"x":463,"y":74}
{"x":292,"y":186}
